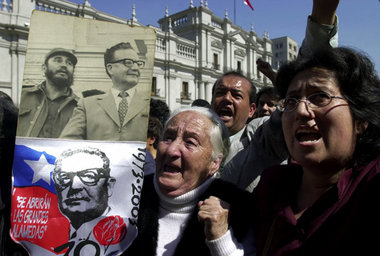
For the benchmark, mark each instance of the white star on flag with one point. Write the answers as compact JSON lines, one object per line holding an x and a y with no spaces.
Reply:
{"x":42,"y":169}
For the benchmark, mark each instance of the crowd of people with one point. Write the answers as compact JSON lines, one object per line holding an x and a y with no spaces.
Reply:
{"x":290,"y":170}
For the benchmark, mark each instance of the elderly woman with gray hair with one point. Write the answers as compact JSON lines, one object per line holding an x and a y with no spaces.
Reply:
{"x":184,"y":209}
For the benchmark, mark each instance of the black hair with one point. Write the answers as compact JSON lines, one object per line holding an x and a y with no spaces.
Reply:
{"x":109,"y":54}
{"x":252,"y":93}
{"x":8,"y":126}
{"x":155,"y":129}
{"x":359,"y":84}
{"x":159,"y":109}
{"x":270,"y":91}
{"x":201,"y":103}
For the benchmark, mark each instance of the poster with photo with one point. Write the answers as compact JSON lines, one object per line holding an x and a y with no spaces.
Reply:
{"x":77,"y":74}
{"x":81,"y":134}
{"x":77,"y":197}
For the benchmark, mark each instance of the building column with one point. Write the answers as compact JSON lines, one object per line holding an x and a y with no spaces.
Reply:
{"x":254,"y":66}
{"x":208,"y":89}
{"x":201,"y":91}
{"x":167,"y":87}
{"x":228,"y":51}
{"x":250,"y":61}
{"x":15,"y":91}
{"x":203,"y":46}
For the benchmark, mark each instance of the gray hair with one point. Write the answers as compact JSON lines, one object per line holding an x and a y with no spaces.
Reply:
{"x":218,"y":133}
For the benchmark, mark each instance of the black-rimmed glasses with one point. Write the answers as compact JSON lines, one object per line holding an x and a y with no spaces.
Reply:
{"x":129,"y":62}
{"x":315,"y":100}
{"x":88,"y":177}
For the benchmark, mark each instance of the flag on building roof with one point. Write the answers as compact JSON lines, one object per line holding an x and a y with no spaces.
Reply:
{"x":249,"y":4}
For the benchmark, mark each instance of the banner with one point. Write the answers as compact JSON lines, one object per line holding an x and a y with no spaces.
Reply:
{"x":76,"y":197}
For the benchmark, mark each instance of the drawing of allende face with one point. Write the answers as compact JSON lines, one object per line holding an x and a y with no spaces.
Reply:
{"x":83,"y":184}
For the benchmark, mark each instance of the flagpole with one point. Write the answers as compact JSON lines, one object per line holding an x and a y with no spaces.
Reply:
{"x":234,"y":11}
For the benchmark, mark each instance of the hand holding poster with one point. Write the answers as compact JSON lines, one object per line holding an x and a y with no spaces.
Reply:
{"x":76,"y":197}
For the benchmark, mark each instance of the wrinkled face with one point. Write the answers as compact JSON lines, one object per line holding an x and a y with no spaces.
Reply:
{"x":59,"y":70}
{"x":124,"y":77}
{"x":82,"y":186}
{"x":231,"y":102}
{"x":266,"y":105}
{"x":184,"y":156}
{"x":323,"y":136}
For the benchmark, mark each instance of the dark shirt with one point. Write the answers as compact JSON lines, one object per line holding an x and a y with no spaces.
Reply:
{"x":150,"y":164}
{"x":343,"y":221}
{"x":53,"y":107}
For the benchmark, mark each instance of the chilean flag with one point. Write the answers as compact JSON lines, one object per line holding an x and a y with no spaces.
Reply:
{"x":35,"y":216}
{"x":249,"y":4}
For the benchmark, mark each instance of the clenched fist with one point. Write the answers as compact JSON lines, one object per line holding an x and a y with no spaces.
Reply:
{"x":213,"y":213}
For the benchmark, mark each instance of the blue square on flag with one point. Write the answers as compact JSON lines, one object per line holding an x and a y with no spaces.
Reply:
{"x":33,"y":168}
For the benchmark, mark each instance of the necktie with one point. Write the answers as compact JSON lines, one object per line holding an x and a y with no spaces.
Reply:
{"x":123,"y":106}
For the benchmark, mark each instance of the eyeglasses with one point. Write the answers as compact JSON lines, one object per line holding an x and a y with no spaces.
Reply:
{"x":315,"y":100}
{"x":88,"y":177}
{"x":129,"y":62}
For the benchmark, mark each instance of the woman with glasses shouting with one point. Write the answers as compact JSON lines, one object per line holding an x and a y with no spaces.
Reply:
{"x":326,"y":202}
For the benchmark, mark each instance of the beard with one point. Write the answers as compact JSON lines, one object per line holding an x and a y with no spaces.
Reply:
{"x":58,"y":81}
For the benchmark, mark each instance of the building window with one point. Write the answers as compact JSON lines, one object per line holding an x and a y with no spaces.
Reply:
{"x":215,"y":62}
{"x":154,"y":86}
{"x":185,"y":91}
{"x":238,"y":66}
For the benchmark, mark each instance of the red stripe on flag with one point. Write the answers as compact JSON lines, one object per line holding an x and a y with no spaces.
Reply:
{"x":249,"y":4}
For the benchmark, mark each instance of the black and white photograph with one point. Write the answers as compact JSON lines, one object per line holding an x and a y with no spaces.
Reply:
{"x":86,"y":79}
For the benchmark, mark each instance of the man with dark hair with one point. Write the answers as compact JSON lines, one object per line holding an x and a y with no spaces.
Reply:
{"x":83,"y":183}
{"x":118,"y":114}
{"x":266,"y":101}
{"x":233,"y":99}
{"x":158,"y":114}
{"x":86,"y":198}
{"x":46,"y":108}
{"x":155,"y":129}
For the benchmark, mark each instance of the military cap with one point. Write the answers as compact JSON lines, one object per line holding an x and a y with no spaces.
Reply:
{"x":62,"y":51}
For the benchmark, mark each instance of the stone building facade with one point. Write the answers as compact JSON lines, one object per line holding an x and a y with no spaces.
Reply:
{"x":193,"y":48}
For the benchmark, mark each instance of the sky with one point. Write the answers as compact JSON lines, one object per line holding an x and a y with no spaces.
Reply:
{"x":359,"y":21}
